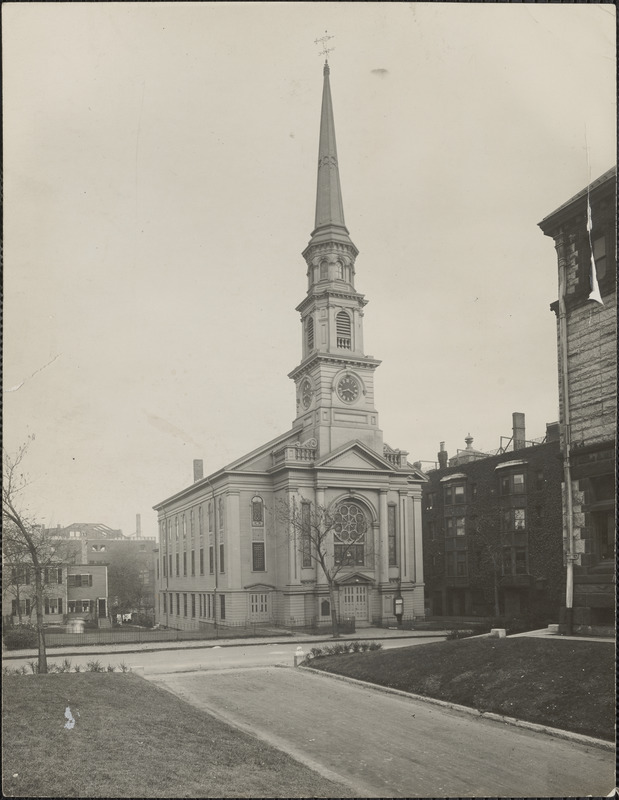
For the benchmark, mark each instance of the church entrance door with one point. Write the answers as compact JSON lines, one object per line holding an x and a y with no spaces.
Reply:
{"x":355,"y":602}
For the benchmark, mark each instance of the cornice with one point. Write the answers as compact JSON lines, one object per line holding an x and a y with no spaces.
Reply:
{"x":331,"y":358}
{"x":341,"y":294}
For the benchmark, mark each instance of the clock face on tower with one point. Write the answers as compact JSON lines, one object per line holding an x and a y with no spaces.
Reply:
{"x":348,"y":389}
{"x":306,"y":393}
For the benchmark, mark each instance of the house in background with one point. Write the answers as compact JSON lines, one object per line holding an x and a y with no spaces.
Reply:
{"x":71,"y":592}
{"x":130,"y":561}
{"x":584,"y":233}
{"x":492,"y":529}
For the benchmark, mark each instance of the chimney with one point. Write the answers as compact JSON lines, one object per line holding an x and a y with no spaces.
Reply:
{"x":442,"y":457}
{"x":138,"y":526}
{"x":198,"y":469}
{"x":518,"y":432}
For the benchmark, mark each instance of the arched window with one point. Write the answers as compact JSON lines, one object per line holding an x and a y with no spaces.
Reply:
{"x":324,"y":270}
{"x":339,"y":270}
{"x":343,"y":330}
{"x":350,"y":528}
{"x":309,"y":333}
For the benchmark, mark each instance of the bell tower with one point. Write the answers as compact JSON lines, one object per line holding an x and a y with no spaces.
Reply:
{"x":335,"y":379}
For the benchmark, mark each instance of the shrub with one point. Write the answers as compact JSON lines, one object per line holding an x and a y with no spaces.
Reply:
{"x":375,"y":646}
{"x":34,"y":667}
{"x":316,"y":652}
{"x":460,"y":634}
{"x":123,"y":667}
{"x":94,"y":666}
{"x":77,"y":668}
{"x":20,"y":638}
{"x":65,"y":665}
{"x":355,"y":647}
{"x":110,"y":668}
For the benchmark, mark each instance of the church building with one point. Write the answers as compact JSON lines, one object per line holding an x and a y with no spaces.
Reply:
{"x":227,"y":555}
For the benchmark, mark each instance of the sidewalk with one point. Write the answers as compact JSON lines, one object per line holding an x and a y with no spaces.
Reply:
{"x":299,"y":638}
{"x":544,"y":633}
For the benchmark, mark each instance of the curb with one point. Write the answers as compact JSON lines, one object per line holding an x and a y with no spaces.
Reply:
{"x":558,"y":733}
{"x":212,"y":643}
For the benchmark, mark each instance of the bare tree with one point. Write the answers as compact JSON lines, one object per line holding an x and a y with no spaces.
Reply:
{"x":485,"y":542}
{"x":327,"y":539}
{"x":25,"y":542}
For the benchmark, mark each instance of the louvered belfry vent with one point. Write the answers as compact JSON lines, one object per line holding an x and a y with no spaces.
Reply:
{"x":310,"y":333}
{"x":342,"y":327}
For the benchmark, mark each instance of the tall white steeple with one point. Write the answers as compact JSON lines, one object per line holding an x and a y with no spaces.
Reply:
{"x":335,"y":382}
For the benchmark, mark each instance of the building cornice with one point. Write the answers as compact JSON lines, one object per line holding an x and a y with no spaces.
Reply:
{"x":332,"y":358}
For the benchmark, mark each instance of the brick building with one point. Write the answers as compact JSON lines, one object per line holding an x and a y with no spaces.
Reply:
{"x":584,"y":234}
{"x":492,"y":529}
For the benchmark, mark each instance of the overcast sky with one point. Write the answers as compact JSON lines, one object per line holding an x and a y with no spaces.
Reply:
{"x":159,"y":187}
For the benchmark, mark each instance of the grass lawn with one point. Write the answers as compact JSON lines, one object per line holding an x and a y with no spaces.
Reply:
{"x":132,"y":739}
{"x":563,"y":684}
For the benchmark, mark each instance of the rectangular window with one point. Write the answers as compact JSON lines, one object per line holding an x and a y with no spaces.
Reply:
{"x":184,"y":604}
{"x":165,"y":603}
{"x":193,"y":563}
{"x":201,"y":561}
{"x":193,"y":605}
{"x":461,"y":563}
{"x":170,"y":570}
{"x":208,"y":599}
{"x":78,"y":581}
{"x":539,"y":479}
{"x":513,"y":483}
{"x":349,"y":554}
{"x":191,"y":524}
{"x":200,"y":520}
{"x":178,"y":604}
{"x":257,"y":557}
{"x":454,"y":494}
{"x":185,"y":563}
{"x":176,"y":528}
{"x":222,"y":606}
{"x":211,"y":560}
{"x":165,"y":567}
{"x":521,"y":561}
{"x":520,"y":521}
{"x":210,"y":516}
{"x":178,"y":571}
{"x":392,"y":535}
{"x":455,"y":526}
{"x":430,"y":500}
{"x":599,"y":256}
{"x":222,"y":563}
{"x":53,"y":575}
{"x":306,"y":542}
{"x":157,"y":569}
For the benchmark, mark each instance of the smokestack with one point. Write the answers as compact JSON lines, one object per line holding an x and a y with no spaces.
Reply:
{"x":518,"y":432}
{"x":442,"y":456}
{"x":138,"y":526}
{"x":198,"y":469}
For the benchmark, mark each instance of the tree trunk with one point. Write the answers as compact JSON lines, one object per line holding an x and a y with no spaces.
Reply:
{"x":334,"y":629}
{"x":497,"y":608}
{"x":38,"y":598}
{"x":18,"y":601}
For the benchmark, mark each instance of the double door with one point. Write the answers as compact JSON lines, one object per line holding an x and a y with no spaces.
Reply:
{"x":354,"y":602}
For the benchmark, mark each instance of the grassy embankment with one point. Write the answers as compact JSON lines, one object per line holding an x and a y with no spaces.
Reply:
{"x":560,"y":683}
{"x":132,"y":739}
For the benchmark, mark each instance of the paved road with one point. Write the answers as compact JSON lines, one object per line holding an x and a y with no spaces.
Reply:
{"x":391,"y":746}
{"x":214,"y":657}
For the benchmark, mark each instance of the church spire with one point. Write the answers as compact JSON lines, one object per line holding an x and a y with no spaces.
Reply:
{"x":329,"y":221}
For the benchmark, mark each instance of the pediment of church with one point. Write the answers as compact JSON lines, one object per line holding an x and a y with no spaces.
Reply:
{"x":353,"y":578}
{"x":356,"y":456}
{"x":260,"y":587}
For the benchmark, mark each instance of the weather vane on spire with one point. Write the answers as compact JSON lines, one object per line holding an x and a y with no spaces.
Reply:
{"x":322,"y":40}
